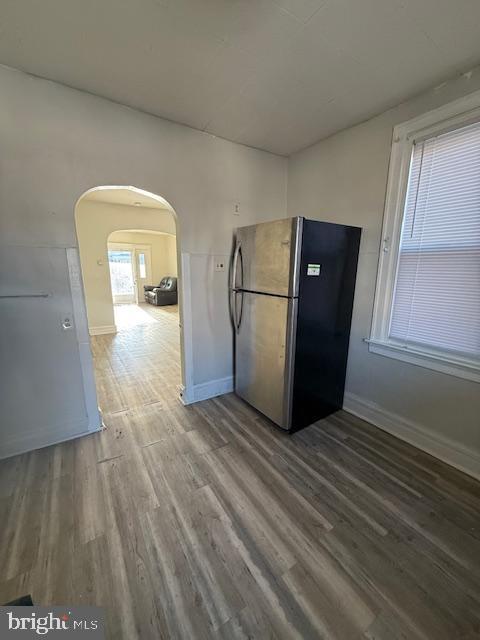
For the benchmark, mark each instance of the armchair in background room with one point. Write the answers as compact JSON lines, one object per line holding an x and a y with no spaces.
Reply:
{"x":162,"y":294}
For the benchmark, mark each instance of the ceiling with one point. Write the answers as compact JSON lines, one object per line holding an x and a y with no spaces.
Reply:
{"x":124,"y":196}
{"x":274,"y":74}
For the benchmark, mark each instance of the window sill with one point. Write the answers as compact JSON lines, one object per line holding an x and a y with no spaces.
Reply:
{"x":458,"y":367}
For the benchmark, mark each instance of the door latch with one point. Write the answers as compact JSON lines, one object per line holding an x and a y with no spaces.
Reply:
{"x":66,"y":324}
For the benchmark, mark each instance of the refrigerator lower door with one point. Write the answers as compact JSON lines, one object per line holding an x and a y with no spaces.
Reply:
{"x":264,"y":354}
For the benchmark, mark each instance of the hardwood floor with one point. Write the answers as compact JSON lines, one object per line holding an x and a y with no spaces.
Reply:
{"x":204,"y":522}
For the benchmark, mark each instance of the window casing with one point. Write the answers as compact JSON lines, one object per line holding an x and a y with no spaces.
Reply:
{"x":427,"y":302}
{"x":142,"y":266}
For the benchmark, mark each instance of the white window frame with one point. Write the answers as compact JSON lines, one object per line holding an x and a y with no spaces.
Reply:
{"x":447,"y":118}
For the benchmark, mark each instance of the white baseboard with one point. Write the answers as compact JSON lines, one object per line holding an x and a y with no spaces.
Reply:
{"x":451,"y":452}
{"x":106,"y":328}
{"x":206,"y":390}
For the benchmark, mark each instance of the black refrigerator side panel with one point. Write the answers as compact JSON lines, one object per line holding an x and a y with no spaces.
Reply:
{"x":324,"y":318}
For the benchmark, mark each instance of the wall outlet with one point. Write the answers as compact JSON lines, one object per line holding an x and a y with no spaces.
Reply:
{"x":219,"y":263}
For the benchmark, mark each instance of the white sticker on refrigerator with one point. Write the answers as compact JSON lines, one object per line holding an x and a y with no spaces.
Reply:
{"x":313,"y":270}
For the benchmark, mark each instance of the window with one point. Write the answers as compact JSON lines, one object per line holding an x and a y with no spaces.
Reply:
{"x":142,"y":267}
{"x":427,"y":307}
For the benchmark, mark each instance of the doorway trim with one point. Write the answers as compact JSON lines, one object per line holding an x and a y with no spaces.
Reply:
{"x":186,"y":390}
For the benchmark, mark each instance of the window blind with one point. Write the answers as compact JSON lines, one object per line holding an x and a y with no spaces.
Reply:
{"x":436,"y":301}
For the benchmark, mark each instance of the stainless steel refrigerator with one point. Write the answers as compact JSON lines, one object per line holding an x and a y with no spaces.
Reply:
{"x":291,"y":295}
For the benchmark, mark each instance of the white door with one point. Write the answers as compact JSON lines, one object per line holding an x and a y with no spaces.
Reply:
{"x":143,"y":269}
{"x":122,"y":275}
{"x":41,"y":390}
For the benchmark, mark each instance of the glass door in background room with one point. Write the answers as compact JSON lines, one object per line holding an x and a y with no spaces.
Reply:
{"x":122,"y":278}
{"x":143,"y":269}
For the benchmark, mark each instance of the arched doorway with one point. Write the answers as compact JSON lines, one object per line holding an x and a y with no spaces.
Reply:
{"x":142,"y":358}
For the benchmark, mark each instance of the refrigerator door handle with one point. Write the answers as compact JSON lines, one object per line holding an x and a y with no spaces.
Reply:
{"x":237,"y":253}
{"x":239,"y":320}
{"x":232,"y":307}
{"x":236,"y":319}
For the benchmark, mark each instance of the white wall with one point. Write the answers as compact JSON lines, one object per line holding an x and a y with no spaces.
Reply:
{"x":58,"y":142}
{"x":343,"y":179}
{"x":97,"y":223}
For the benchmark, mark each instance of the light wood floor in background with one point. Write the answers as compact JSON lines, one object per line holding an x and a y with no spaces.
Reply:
{"x":204,"y":522}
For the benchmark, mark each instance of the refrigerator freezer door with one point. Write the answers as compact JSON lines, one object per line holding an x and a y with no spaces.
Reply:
{"x":264,"y":354}
{"x":267,"y":257}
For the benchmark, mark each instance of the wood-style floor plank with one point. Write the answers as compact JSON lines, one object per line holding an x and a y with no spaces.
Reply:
{"x":207,"y":523}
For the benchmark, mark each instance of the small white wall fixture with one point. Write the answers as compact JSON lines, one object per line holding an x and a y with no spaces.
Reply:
{"x":184,"y":293}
